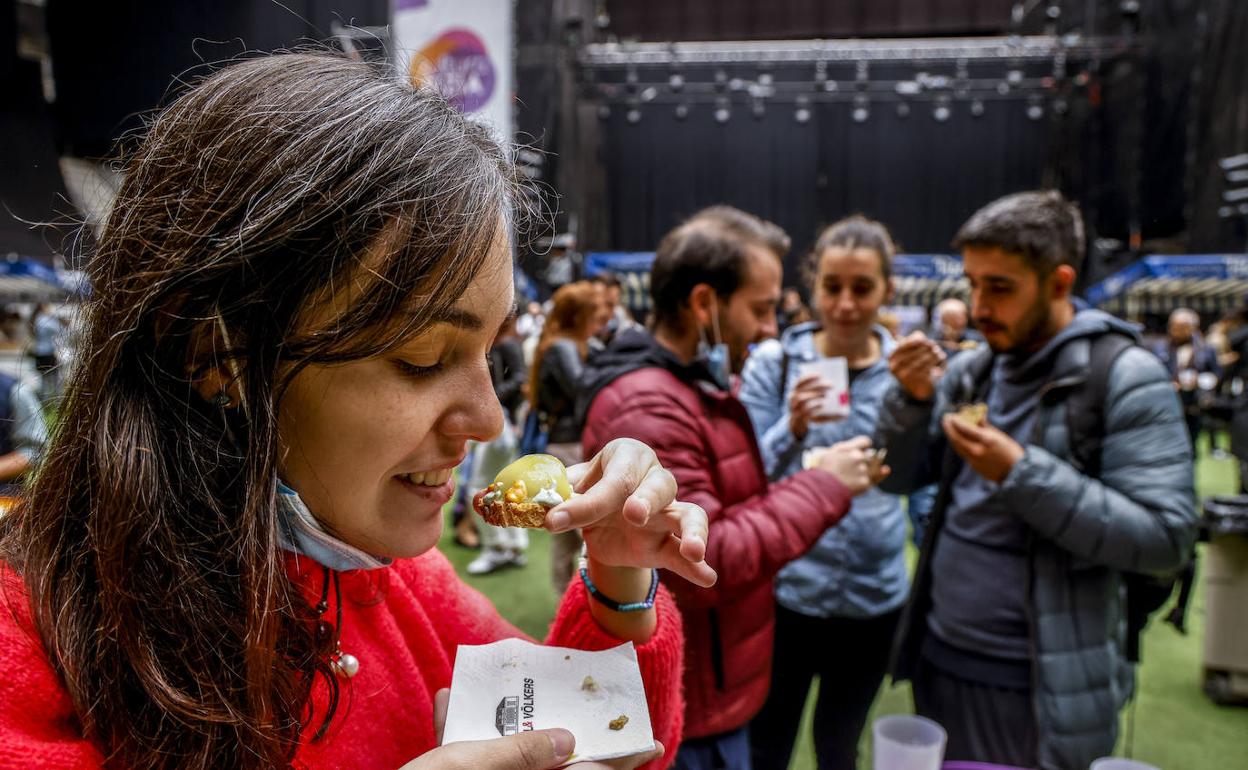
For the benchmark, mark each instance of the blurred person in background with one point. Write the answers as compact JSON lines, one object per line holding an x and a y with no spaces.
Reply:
{"x":47,"y":332}
{"x":951,"y":326}
{"x":715,"y":284}
{"x":500,"y":546}
{"x":1019,"y":610}
{"x":529,"y":323}
{"x":838,"y":604}
{"x":1187,"y":356}
{"x":23,"y":434}
{"x":618,"y":316}
{"x":792,"y":309}
{"x":576,"y":316}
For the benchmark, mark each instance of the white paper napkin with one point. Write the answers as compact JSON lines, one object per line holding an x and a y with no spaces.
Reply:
{"x":514,"y":686}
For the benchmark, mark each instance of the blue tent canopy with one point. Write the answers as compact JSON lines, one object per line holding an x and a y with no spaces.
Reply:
{"x":922,"y":279}
{"x":633,"y":270}
{"x":1161,"y":283}
{"x":925,"y":279}
{"x":23,"y":279}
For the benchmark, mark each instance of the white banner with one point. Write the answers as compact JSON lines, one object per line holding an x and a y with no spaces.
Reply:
{"x":463,"y":48}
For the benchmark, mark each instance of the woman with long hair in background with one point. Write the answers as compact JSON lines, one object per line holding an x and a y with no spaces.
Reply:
{"x":578,"y":311}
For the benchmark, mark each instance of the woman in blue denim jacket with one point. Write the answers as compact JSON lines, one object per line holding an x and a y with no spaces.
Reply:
{"x":837,"y":606}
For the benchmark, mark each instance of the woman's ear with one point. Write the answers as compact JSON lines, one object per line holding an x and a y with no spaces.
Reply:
{"x":890,"y":292}
{"x":216,"y":378}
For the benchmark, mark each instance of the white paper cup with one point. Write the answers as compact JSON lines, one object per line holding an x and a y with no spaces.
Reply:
{"x":1119,"y":763}
{"x":834,"y":373}
{"x":906,"y":742}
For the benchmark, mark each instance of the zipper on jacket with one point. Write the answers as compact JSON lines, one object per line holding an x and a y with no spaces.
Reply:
{"x":717,"y":649}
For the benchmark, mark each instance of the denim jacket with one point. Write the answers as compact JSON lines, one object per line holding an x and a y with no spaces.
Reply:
{"x":857,"y":569}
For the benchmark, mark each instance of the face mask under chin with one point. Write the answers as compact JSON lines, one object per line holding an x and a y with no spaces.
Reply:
{"x":715,"y":354}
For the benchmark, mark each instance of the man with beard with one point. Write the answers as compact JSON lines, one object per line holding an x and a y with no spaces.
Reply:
{"x":715,"y":284}
{"x":1014,"y":636}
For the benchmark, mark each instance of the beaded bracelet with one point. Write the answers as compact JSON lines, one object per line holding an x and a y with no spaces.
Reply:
{"x":612,"y":604}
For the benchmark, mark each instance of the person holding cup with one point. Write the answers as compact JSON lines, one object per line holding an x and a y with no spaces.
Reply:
{"x":838,"y":605}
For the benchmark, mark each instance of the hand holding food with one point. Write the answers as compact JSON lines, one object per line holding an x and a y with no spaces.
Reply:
{"x":972,"y":414}
{"x":989,"y":451}
{"x":628,"y":513}
{"x":914,"y":362}
{"x":854,"y":463}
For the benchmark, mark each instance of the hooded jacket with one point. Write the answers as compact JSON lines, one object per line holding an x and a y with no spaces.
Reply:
{"x":1080,"y":533}
{"x":638,"y":389}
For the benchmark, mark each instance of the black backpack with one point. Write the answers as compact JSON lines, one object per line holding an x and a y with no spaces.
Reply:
{"x":1085,"y":425}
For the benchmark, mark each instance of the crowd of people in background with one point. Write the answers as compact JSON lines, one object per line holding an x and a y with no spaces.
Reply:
{"x":715,"y":379}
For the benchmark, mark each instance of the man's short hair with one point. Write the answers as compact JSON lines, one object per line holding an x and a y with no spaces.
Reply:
{"x":1041,"y":226}
{"x":709,"y":247}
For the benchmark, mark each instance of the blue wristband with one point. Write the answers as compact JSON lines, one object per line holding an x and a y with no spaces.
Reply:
{"x":612,"y":604}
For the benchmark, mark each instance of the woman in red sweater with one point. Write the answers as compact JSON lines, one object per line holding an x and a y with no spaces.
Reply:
{"x":227,"y":558}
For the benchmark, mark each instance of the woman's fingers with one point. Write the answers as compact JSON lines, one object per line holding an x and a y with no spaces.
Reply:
{"x":625,"y":476}
{"x":671,"y":559}
{"x":689,"y":523}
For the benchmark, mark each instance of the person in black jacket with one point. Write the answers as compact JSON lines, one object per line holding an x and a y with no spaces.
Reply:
{"x":579,"y":313}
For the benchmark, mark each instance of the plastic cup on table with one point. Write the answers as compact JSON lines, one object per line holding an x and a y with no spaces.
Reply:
{"x":1120,"y":763}
{"x":906,"y":742}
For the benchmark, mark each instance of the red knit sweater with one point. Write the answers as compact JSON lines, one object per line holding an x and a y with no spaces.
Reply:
{"x":405,"y":636}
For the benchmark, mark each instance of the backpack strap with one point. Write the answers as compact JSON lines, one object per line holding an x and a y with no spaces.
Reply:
{"x":784,"y":373}
{"x":1085,"y":407}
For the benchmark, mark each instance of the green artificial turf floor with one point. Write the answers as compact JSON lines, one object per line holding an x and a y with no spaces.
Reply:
{"x":1175,"y":726}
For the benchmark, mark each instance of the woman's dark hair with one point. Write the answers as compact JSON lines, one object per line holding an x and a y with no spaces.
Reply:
{"x":1041,"y":226}
{"x":149,"y":539}
{"x":852,"y":232}
{"x":710,"y":247}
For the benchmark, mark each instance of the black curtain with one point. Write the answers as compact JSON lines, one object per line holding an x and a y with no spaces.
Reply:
{"x":752,"y":20}
{"x":115,"y":61}
{"x":1220,"y":127}
{"x":921,"y":177}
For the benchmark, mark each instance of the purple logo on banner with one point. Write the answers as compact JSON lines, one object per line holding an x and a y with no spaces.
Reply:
{"x":407,"y":5}
{"x":457,"y":66}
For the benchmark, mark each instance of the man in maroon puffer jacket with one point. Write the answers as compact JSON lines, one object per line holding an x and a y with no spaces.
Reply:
{"x":715,"y":284}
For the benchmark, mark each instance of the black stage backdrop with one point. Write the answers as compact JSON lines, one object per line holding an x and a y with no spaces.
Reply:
{"x":919,"y":176}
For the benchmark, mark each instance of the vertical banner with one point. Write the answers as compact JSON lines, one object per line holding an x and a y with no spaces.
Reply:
{"x":463,"y":49}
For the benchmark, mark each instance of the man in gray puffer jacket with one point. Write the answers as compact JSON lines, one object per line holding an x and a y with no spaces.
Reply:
{"x":1014,"y":633}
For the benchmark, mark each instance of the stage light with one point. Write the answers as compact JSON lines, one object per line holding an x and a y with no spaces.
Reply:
{"x":681,"y":111}
{"x":634,"y":115}
{"x":862,"y":110}
{"x":604,"y":112}
{"x":722,"y":113}
{"x":1035,"y":108}
{"x":941,"y":111}
{"x":676,"y":82}
{"x":903,"y":109}
{"x":977,"y":108}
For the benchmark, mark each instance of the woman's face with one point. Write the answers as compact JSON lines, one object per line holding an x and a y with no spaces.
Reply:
{"x":370,"y":445}
{"x":850,"y":287}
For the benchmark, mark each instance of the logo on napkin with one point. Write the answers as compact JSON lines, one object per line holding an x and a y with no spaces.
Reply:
{"x":511,"y":708}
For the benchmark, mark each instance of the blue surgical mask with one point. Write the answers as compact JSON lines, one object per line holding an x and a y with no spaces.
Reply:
{"x":715,"y":356}
{"x":300,"y":532}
